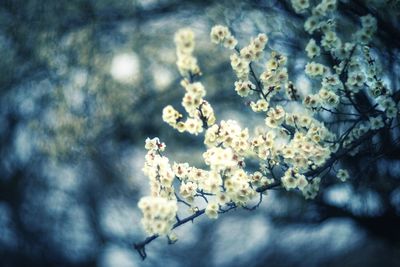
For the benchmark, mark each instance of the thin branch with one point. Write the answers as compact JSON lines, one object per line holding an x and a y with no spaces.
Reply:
{"x":256,"y":205}
{"x":141,"y":246}
{"x":259,"y":85}
{"x":268,"y":186}
{"x":181,"y":200}
{"x":340,"y":113}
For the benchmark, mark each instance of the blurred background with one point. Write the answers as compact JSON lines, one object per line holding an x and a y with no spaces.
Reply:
{"x":83,"y":83}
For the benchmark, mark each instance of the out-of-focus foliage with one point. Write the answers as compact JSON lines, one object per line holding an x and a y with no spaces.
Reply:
{"x":83,"y":82}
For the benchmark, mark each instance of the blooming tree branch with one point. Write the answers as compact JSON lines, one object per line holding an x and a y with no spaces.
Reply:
{"x":294,"y":148}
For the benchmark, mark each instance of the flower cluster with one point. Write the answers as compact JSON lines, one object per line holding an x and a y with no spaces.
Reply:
{"x":158,"y":169}
{"x":253,"y":51}
{"x":221,"y":34}
{"x":314,"y":69}
{"x":275,"y":117}
{"x":368,"y":29}
{"x":310,"y":147}
{"x":240,"y":62}
{"x":200,"y":113}
{"x":159,"y":208}
{"x":260,"y":105}
{"x":356,"y":68}
{"x":187,"y":64}
{"x":328,"y":95}
{"x":291,"y":180}
{"x":318,"y":14}
{"x":158,"y":214}
{"x":228,"y":134}
{"x":275,"y":75}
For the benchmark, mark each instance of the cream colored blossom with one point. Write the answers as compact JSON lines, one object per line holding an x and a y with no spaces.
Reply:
{"x":342,"y":175}
{"x":212,"y":210}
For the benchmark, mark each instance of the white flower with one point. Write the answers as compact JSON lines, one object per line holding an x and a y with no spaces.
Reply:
{"x":288,"y":180}
{"x":219,"y":33}
{"x":243,"y":88}
{"x":196,"y":89}
{"x":181,"y":170}
{"x":376,"y":122}
{"x":300,"y":5}
{"x":260,"y":105}
{"x":342,"y":175}
{"x":312,"y":49}
{"x":369,"y":22}
{"x":230,"y":42}
{"x":330,"y":41}
{"x":188,"y":189}
{"x":301,"y":181}
{"x":356,"y":79}
{"x":154,"y":144}
{"x":275,"y":117}
{"x":314,"y":69}
{"x":311,"y":24}
{"x":184,"y":39}
{"x":194,"y":126}
{"x":212,"y":210}
{"x":391,"y":112}
{"x":170,"y":115}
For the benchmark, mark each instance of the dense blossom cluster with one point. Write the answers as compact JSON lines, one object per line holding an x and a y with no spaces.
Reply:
{"x":187,"y":63}
{"x":220,"y":34}
{"x":240,"y":61}
{"x":158,"y":214}
{"x":160,"y":207}
{"x":292,"y":149}
{"x":200,"y":112}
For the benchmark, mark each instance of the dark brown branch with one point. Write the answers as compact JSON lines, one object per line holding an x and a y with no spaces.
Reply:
{"x":141,"y":246}
{"x":269,"y":186}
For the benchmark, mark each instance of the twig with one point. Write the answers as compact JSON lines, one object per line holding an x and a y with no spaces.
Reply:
{"x":256,"y":205}
{"x":268,"y":186}
{"x":141,"y":246}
